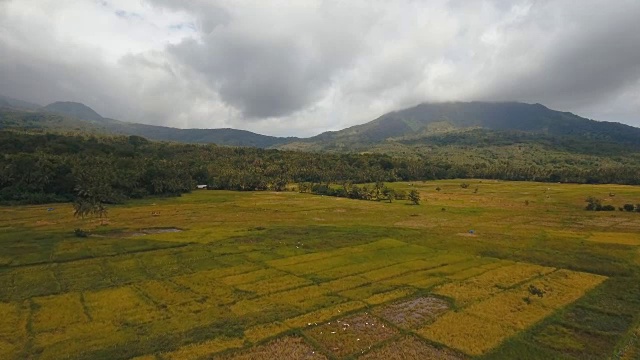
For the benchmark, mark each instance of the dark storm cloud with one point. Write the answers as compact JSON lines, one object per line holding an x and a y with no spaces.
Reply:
{"x":263,"y":77}
{"x":589,"y":59}
{"x":266,"y":67}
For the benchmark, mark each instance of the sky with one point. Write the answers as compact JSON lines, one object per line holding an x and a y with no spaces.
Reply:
{"x":298,"y":68}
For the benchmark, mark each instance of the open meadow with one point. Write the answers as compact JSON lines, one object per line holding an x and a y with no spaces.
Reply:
{"x":497,"y":270}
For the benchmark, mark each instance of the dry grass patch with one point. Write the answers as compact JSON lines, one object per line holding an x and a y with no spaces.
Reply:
{"x":286,"y":348}
{"x":475,"y":271}
{"x":253,"y":276}
{"x":54,"y":313}
{"x":345,"y":283}
{"x":260,"y":332}
{"x":201,"y":350}
{"x":358,"y":268}
{"x":79,"y":338}
{"x":510,"y":308}
{"x":175,"y":300}
{"x":125,"y":270}
{"x":409,"y":347}
{"x":351,"y":335}
{"x":615,"y":238}
{"x":121,"y":306}
{"x":413,"y":313}
{"x":397,"y":269}
{"x":319,"y":316}
{"x":491,"y":282}
{"x":13,"y":329}
{"x":366,"y":291}
{"x":467,"y":333}
{"x":564,"y":286}
{"x":34,"y":281}
{"x":388,"y":296}
{"x":203,"y":283}
{"x":319,"y":266}
{"x":82,"y":275}
{"x":145,"y":357}
{"x":273,"y":285}
{"x":457,"y":267}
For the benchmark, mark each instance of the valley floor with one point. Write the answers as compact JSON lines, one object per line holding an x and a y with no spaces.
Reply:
{"x":495,"y":270}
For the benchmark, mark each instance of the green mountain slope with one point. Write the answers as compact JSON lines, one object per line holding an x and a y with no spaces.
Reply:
{"x":420,"y":123}
{"x":412,"y":130}
{"x":74,"y":117}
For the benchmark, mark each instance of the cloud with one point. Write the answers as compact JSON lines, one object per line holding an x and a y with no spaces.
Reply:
{"x":299,"y":68}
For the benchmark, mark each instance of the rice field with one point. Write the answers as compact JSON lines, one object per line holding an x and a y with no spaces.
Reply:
{"x":257,"y":276}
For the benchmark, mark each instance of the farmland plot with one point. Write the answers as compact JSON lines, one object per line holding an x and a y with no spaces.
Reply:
{"x":343,"y":291}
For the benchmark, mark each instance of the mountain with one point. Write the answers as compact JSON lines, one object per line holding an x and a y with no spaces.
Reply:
{"x":77,"y":117}
{"x":73,"y":109}
{"x":471,"y":124}
{"x":8,"y":102}
{"x":229,"y":137}
{"x":424,"y":121}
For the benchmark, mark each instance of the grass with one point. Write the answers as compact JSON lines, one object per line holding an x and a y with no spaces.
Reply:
{"x":253,"y":273}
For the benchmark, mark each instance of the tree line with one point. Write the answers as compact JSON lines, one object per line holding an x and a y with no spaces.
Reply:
{"x":41,"y":168}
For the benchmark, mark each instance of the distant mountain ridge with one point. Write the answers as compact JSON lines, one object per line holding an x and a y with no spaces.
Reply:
{"x":422,"y":124}
{"x":73,"y":109}
{"x":73,"y":116}
{"x":427,"y":119}
{"x":8,"y":102}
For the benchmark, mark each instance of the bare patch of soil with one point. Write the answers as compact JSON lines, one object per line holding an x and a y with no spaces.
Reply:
{"x":410,"y":348}
{"x":467,"y":234}
{"x":351,"y":335}
{"x":283,"y":348}
{"x":141,"y":232}
{"x":414,"y":313}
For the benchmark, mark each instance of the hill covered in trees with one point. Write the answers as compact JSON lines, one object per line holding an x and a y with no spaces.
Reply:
{"x":48,"y":156}
{"x":39,"y":168}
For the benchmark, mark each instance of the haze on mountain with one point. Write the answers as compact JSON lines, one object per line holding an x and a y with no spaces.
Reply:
{"x":302,"y":68}
{"x":451,"y":123}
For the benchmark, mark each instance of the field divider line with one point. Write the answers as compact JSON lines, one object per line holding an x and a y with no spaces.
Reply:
{"x":39,"y":263}
{"x":335,"y":253}
{"x":409,"y":271}
{"x":55,"y":272}
{"x":512,"y":287}
{"x":183,"y":262}
{"x":149,"y":300}
{"x":105,"y":272}
{"x":181,"y":287}
{"x":31,"y":335}
{"x":430,"y":256}
{"x":85,"y":308}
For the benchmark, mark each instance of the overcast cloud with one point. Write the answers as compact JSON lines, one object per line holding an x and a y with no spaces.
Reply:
{"x":303,"y":67}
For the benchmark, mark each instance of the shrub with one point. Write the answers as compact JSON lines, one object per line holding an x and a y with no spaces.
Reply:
{"x":628,"y":207}
{"x":414,"y":196}
{"x":608,"y":208}
{"x":80,"y":233}
{"x":593,"y":204}
{"x":400,"y":195}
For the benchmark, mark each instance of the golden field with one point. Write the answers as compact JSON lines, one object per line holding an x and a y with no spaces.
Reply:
{"x":251,"y":274}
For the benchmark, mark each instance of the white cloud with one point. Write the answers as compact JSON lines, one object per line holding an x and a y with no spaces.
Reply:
{"x":299,"y":68}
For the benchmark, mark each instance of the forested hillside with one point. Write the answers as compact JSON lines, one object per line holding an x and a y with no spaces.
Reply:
{"x":38,"y":168}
